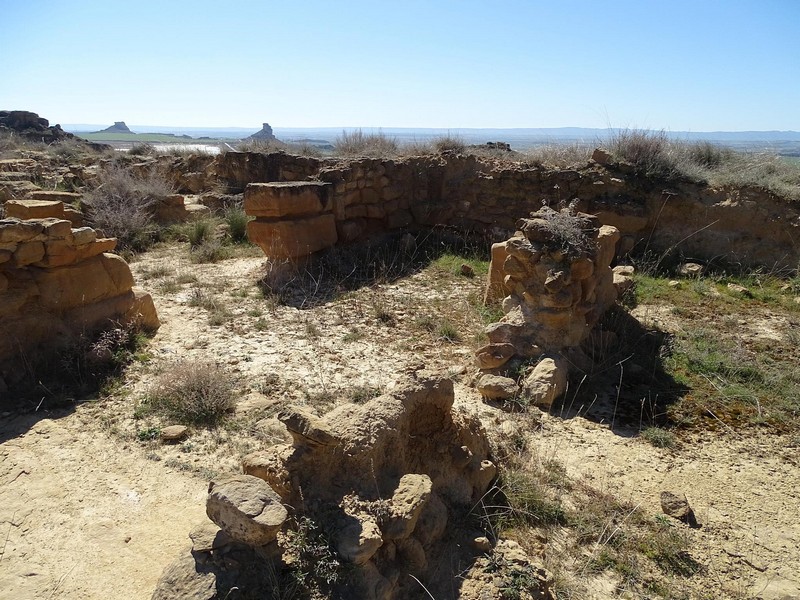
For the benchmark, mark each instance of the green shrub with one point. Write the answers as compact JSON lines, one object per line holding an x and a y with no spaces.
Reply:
{"x":237,"y":221}
{"x":199,"y":232}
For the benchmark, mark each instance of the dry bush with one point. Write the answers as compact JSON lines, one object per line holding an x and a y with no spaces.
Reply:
{"x":193,"y":392}
{"x":121,"y":205}
{"x":358,"y":143}
{"x":449,"y":143}
{"x":264,"y":147}
{"x":648,"y":151}
{"x":563,"y":156}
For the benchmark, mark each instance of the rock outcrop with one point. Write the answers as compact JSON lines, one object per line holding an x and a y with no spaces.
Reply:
{"x":389,"y":482}
{"x":58,"y":282}
{"x":31,"y":127}
{"x":263,"y":135}
{"x":555,"y":281}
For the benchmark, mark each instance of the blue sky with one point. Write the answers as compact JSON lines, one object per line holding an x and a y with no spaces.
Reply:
{"x":696,"y":65}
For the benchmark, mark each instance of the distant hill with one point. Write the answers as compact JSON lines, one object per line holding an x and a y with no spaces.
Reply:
{"x":117,"y":127}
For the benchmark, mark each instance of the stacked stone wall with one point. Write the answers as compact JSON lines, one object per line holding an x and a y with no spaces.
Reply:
{"x":58,"y":282}
{"x":747,"y":226}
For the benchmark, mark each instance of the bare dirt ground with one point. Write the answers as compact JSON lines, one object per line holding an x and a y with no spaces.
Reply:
{"x":88,"y":510}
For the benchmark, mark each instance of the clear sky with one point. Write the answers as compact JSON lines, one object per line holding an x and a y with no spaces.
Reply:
{"x":696,"y":65}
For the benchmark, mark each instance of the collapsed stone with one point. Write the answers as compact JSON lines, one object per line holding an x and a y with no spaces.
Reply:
{"x":386,"y":481}
{"x":58,"y":283}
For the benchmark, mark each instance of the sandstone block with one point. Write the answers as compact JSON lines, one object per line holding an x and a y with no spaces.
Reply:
{"x":28,"y":253}
{"x":56,"y":228}
{"x":492,"y":356}
{"x":246,"y":508}
{"x":92,"y":316}
{"x":143,"y":311}
{"x":287,"y":199}
{"x":101,"y":277}
{"x":356,"y":211}
{"x":58,"y":253}
{"x":35,"y":209}
{"x":174,"y":433}
{"x":14,"y":230}
{"x":96,"y":248}
{"x":83,"y":235}
{"x":495,"y":387}
{"x":295,"y":238}
{"x":53,"y":196}
{"x":547,"y":381}
{"x":349,"y":231}
{"x":495,"y":287}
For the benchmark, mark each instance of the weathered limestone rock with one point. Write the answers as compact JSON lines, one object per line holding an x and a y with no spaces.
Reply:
{"x":246,"y":508}
{"x":359,"y":541}
{"x":383,"y":478}
{"x":406,"y":506}
{"x":623,"y":279}
{"x":677,"y":506}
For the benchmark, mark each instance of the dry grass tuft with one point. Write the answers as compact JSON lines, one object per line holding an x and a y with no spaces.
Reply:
{"x":193,"y":393}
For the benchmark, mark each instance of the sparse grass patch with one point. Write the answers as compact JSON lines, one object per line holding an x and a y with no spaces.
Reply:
{"x":192,"y":393}
{"x":659,"y":437}
{"x":448,"y":332}
{"x":211,"y":251}
{"x":359,"y":394}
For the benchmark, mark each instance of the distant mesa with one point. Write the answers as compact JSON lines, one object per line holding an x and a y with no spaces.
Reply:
{"x":265,"y":135}
{"x":117,"y":127}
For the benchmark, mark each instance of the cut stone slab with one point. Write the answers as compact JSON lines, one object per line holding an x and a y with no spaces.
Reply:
{"x":293,"y":238}
{"x":35,"y":209}
{"x":246,"y":508}
{"x":287,"y":198}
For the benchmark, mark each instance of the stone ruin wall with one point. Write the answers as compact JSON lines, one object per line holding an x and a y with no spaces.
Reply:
{"x":371,"y":196}
{"x":58,"y":282}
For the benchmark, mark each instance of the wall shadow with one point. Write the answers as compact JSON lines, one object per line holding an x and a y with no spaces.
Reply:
{"x":628,"y":386}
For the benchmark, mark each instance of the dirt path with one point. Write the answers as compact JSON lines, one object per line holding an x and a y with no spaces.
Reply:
{"x":84,"y":515}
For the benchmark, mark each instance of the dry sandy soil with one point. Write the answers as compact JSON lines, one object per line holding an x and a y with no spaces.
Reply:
{"x":89,"y":511}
